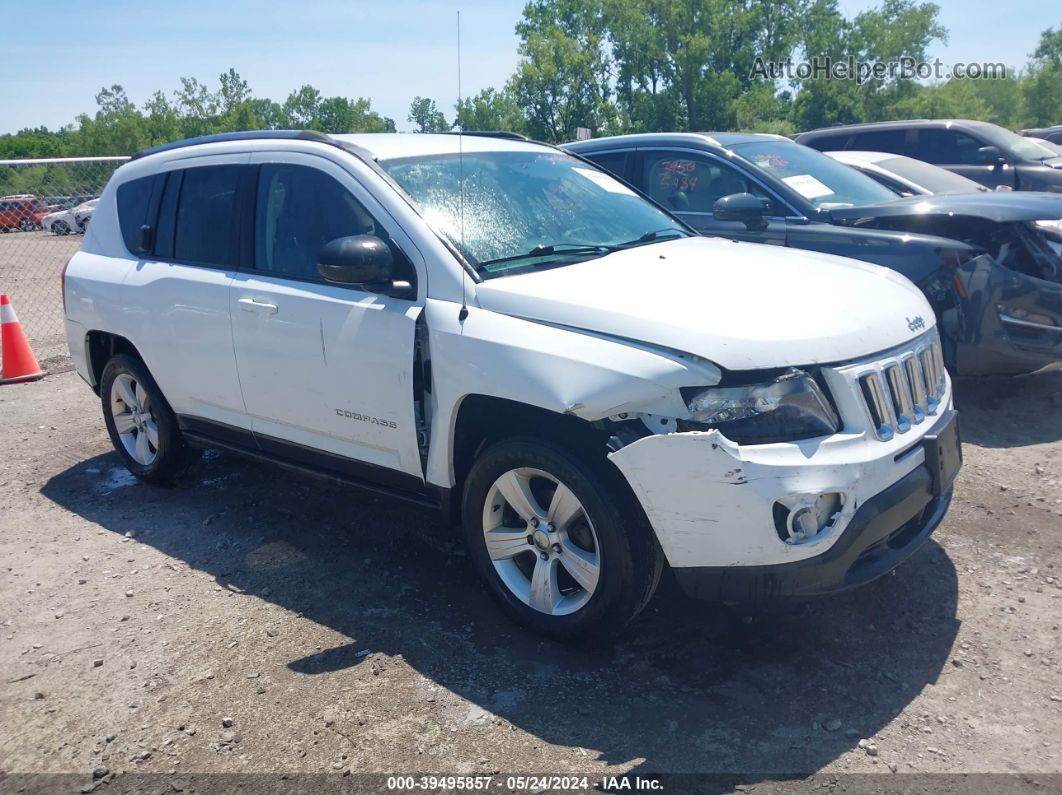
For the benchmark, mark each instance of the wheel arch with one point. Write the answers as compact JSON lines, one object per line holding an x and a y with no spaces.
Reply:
{"x":481,"y":419}
{"x":100,"y":347}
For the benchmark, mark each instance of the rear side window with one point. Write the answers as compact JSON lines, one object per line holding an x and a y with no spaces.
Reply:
{"x":207,"y":223}
{"x":828,"y":143}
{"x":133,"y":200}
{"x":881,"y":141}
{"x":613,"y":162}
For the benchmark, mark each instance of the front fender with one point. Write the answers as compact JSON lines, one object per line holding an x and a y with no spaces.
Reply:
{"x":557,"y":369}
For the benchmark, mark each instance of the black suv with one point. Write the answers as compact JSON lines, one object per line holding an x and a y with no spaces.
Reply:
{"x":989,"y":269}
{"x":986,"y":153}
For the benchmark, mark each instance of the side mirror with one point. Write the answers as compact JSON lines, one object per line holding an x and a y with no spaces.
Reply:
{"x":990,"y":156}
{"x":364,"y":260}
{"x":743,"y":207}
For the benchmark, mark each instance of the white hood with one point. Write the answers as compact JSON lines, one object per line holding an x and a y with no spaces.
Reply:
{"x":743,"y":306}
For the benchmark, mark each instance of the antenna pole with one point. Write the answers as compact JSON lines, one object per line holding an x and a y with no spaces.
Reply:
{"x":461,"y":173}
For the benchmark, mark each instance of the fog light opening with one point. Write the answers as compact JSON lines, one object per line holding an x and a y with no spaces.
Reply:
{"x":804,"y":518}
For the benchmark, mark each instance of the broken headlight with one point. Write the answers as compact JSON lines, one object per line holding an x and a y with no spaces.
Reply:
{"x":789,"y":407}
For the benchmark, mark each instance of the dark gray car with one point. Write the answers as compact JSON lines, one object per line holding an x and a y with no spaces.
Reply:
{"x":1052,"y":134}
{"x":986,"y":153}
{"x":992,"y":274}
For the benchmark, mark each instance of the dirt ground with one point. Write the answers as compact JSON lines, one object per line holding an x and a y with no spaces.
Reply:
{"x":249,"y":620}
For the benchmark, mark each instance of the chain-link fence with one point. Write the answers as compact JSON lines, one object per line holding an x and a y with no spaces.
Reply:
{"x":45,"y":207}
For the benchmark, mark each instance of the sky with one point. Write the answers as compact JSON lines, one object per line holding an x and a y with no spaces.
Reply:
{"x":387,"y":51}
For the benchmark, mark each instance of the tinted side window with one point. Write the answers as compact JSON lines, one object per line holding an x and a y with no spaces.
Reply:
{"x":828,"y":143}
{"x":881,"y":141}
{"x":300,"y":209}
{"x":207,"y":218}
{"x":133,"y":200}
{"x":950,"y":147}
{"x":614,"y":162}
{"x":689,"y":183}
{"x":168,"y":215}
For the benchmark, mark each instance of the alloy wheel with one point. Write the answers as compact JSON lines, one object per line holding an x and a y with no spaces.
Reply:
{"x":134,"y":419}
{"x":547,"y":557}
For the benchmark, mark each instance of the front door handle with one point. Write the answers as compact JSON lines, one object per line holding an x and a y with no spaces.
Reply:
{"x":257,"y":305}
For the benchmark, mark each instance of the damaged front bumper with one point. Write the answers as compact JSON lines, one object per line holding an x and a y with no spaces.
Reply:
{"x":886,"y":530}
{"x":723,"y":512}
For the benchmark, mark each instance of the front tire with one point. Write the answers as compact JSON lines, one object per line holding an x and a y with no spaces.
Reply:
{"x":141,"y":424}
{"x":558,"y":539}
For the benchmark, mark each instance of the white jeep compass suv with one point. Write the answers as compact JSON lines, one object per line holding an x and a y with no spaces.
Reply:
{"x":498,"y":328}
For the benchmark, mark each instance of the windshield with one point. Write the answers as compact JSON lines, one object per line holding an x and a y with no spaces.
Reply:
{"x":1019,"y":146}
{"x":528,"y":209}
{"x":930,"y":177}
{"x":821,"y":180}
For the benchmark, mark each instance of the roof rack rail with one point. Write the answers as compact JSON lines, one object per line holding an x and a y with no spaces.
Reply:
{"x":514,"y":136}
{"x":247,"y":135}
{"x":256,"y":135}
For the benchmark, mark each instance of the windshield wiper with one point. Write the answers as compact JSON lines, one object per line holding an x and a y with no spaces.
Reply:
{"x":657,"y":234}
{"x":545,"y":249}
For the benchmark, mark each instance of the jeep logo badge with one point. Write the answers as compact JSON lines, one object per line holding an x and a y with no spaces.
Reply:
{"x":915,"y":323}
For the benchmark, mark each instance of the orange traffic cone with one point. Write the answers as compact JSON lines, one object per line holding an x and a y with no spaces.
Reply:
{"x":19,"y":363}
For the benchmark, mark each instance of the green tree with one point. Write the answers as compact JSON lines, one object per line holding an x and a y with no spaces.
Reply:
{"x":1042,"y":86}
{"x":233,"y":92}
{"x":490,"y":110}
{"x":301,"y":107}
{"x":426,"y":115}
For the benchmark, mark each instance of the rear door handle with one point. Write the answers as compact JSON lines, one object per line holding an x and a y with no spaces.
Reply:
{"x":257,"y":305}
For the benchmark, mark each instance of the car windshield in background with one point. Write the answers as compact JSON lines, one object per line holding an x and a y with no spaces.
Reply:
{"x":1022,"y":147}
{"x":524,"y":210}
{"x":932,"y":178}
{"x":821,"y":180}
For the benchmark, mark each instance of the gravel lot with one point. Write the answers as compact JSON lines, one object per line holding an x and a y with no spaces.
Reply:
{"x":30,"y":266}
{"x":248,"y":620}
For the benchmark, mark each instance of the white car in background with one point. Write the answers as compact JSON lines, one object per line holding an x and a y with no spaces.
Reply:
{"x":909,"y":177}
{"x":905,"y":175}
{"x":65,"y":222}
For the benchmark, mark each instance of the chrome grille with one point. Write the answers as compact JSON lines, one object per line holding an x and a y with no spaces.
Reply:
{"x":899,"y":392}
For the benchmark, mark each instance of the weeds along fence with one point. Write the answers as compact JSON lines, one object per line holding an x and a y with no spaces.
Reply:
{"x":45,"y":208}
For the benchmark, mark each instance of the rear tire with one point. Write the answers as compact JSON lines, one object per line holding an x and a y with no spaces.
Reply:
{"x":558,"y":539}
{"x":141,"y":424}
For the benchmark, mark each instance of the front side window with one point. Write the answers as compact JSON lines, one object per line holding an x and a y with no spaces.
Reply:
{"x":207,"y":216}
{"x":948,"y":147}
{"x":526,"y":209}
{"x":685,"y":182}
{"x":299,"y":210}
{"x":821,"y":180}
